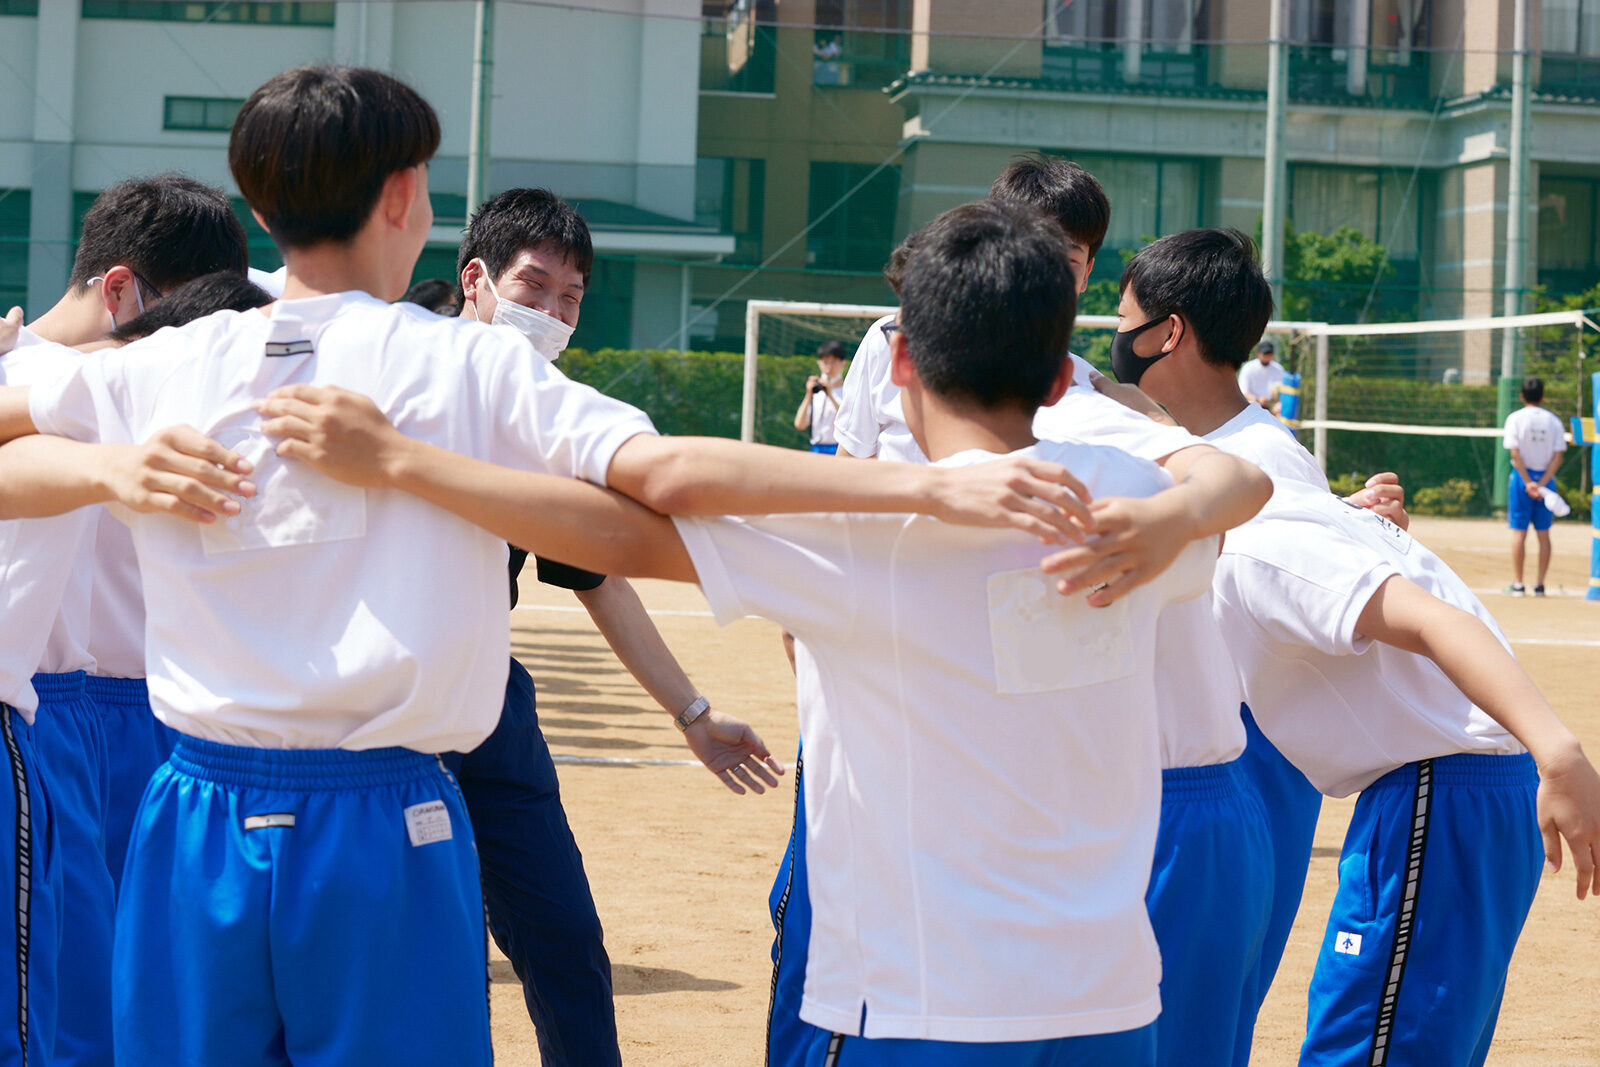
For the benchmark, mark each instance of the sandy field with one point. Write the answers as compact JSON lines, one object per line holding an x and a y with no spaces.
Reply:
{"x":681,"y":867}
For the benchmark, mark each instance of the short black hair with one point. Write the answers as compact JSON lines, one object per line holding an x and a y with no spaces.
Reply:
{"x":436,"y":294}
{"x":1212,"y":278}
{"x":987,"y":304}
{"x":1533,"y":390}
{"x":508,"y":223}
{"x":835,"y":349}
{"x":1061,"y":188}
{"x":894,"y":271}
{"x":312,"y":147}
{"x":166,"y":228}
{"x":223,"y":290}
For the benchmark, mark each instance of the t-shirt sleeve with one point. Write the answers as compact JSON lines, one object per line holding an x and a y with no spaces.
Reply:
{"x":793,"y":569}
{"x":1312,"y":593}
{"x":856,"y":425}
{"x":1095,"y":418}
{"x":88,"y":401}
{"x":1190,"y":574}
{"x":1513,"y":438}
{"x":543,"y":420}
{"x":565,"y":576}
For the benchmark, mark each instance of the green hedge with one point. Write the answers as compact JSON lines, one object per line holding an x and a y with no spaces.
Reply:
{"x":700,"y":393}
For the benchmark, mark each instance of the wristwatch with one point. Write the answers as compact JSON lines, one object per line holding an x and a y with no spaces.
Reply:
{"x":697,"y":707}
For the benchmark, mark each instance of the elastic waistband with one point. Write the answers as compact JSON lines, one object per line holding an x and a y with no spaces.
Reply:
{"x":1467,"y":768}
{"x":1214,"y":781}
{"x":59,"y":687}
{"x":300,"y":768}
{"x":130,"y":692}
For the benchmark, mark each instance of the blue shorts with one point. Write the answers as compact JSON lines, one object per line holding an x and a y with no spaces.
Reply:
{"x":826,"y":450}
{"x":30,"y":936}
{"x":136,"y":744}
{"x":72,"y":759}
{"x":1213,"y":862}
{"x":788,"y":1036}
{"x":305,"y":906}
{"x":1438,"y":872}
{"x":1292,"y":805}
{"x":541,"y":912}
{"x":1523,"y":510}
{"x":1130,"y":1048}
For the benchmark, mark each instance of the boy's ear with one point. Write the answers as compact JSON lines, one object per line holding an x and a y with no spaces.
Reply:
{"x":1176,"y":332}
{"x":1063,"y":382}
{"x":471,"y":275}
{"x":902,"y":372}
{"x":115,"y":289}
{"x":1083,"y":282}
{"x":399,"y":197}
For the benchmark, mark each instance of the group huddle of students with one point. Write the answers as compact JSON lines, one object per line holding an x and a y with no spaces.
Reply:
{"x":1037,"y":823}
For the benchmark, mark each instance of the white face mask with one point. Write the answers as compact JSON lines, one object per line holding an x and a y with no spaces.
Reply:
{"x":136,"y":295}
{"x":548,"y":334}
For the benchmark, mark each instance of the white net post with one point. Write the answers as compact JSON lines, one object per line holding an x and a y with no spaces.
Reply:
{"x":752,"y":340}
{"x":1319,"y":429}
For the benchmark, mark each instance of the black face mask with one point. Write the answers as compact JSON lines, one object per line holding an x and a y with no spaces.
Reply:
{"x":1125,"y":364}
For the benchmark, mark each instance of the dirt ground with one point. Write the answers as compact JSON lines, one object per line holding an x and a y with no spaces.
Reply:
{"x":681,"y":868}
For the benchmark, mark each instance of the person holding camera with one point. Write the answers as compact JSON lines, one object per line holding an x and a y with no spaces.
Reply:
{"x":820,"y":406}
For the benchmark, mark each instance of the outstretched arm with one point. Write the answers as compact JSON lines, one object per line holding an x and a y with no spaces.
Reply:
{"x":178,"y":471}
{"x":729,"y":748}
{"x":354,"y":442}
{"x":1140,"y":537}
{"x":712,"y":476}
{"x":1406,"y":616}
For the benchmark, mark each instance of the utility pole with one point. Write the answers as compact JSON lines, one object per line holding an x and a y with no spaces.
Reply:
{"x":1516,"y":241}
{"x":1275,"y":187}
{"x":482,"y":89}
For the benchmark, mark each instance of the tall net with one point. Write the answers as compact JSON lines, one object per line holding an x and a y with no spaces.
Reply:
{"x":1423,"y":399}
{"x":781,"y":342}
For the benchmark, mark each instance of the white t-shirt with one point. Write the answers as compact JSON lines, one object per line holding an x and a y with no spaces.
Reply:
{"x":1256,"y":434}
{"x":982,"y":765}
{"x":1290,"y":587}
{"x":37,"y":560}
{"x":870,"y":421}
{"x":824,"y":410}
{"x":1537,"y":435}
{"x":270,"y":280}
{"x":1197,"y":688}
{"x":327,"y":616}
{"x":116,"y":615}
{"x":1259,"y":379}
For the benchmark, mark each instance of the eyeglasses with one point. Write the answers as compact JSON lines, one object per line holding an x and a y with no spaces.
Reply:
{"x":890,"y":329}
{"x":142,"y":280}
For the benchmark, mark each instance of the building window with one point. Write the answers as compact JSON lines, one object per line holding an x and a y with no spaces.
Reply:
{"x":264,"y":14}
{"x":730,"y":196}
{"x":738,"y":46}
{"x":1107,"y":43}
{"x":214,"y":113}
{"x":19,"y":7}
{"x":1569,"y":244}
{"x":857,"y":43}
{"x":1373,"y":202}
{"x":1572,"y":27}
{"x":854,"y":226}
{"x":1153,"y":198}
{"x":14,"y":231}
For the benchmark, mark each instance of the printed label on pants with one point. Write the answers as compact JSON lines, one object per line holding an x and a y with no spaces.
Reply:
{"x":428,"y":822}
{"x":269,"y":820}
{"x":1347,"y":944}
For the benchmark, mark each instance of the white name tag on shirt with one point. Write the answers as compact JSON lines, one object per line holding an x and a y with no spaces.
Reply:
{"x":1042,"y":640}
{"x":1377,"y":531}
{"x":428,"y":822}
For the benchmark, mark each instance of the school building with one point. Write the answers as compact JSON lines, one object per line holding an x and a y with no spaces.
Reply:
{"x":804,"y":137}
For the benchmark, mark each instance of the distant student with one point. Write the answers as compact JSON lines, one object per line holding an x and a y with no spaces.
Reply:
{"x":1373,"y":668}
{"x":1261,"y":378}
{"x":820,"y":406}
{"x":953,"y":922}
{"x":306,"y":786}
{"x":1537,"y":441}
